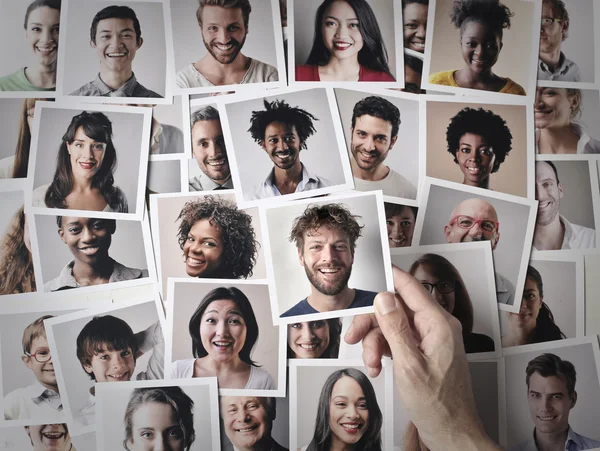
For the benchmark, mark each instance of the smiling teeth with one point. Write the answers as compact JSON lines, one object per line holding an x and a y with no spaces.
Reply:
{"x":53,"y":435}
{"x":112,"y":55}
{"x":309,"y":347}
{"x":250,"y":429}
{"x":194,"y":262}
{"x":216,"y":163}
{"x":543,"y":205}
{"x":329,"y":270}
{"x":224,"y":47}
{"x":222,"y":343}
{"x":89,"y":250}
{"x":351,"y":426}
{"x":547,"y":418}
{"x":117,"y":376}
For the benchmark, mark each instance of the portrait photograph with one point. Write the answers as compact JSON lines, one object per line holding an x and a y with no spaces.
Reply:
{"x":326,"y":258}
{"x":480,"y":47}
{"x":552,"y":306}
{"x":383,"y":148}
{"x":460,"y":277}
{"x":592,"y":288}
{"x":568,"y":42}
{"x":104,"y":345}
{"x":30,"y":392}
{"x":317,"y":339}
{"x":115,"y":52}
{"x":487,"y":379}
{"x":553,"y":389}
{"x":248,"y":55}
{"x":227,"y":327}
{"x":345,"y":42}
{"x":565,"y":118}
{"x":400,"y":220}
{"x":17,"y":273}
{"x":97,"y":160}
{"x":92,"y":254}
{"x":166,"y":176}
{"x":270,"y":415}
{"x":285,"y":146}
{"x":480,"y":144}
{"x":186,"y":244}
{"x":180,"y":414}
{"x":322,"y":393}
{"x":455,"y":213}
{"x":29,"y":55}
{"x":168,"y":123}
{"x":33,"y":437}
{"x":568,"y":197}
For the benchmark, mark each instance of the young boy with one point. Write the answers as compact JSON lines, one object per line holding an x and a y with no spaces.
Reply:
{"x":40,"y":400}
{"x":108,"y":350}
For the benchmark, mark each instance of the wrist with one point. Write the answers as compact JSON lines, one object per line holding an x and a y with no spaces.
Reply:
{"x":471,"y":439}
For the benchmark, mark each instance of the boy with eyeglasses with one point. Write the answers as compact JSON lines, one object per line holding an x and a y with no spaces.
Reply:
{"x":41,"y":399}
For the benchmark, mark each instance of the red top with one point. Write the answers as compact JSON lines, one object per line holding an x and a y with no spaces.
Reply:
{"x":310,"y":72}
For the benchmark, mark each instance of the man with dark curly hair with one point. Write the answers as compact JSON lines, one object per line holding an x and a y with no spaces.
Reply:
{"x":282,"y":130}
{"x":375,"y":125}
{"x":553,"y":64}
{"x":217,"y":239}
{"x":325,"y":236}
{"x":479,"y":141}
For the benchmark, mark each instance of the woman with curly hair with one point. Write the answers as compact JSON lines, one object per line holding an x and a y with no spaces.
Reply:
{"x":217,"y":239}
{"x":535,"y":322}
{"x":348,"y":414}
{"x":479,"y":140}
{"x":481,"y":24}
{"x":222,"y":341}
{"x":347,"y":45}
{"x":85,"y":165}
{"x":318,"y":339}
{"x":16,"y":264}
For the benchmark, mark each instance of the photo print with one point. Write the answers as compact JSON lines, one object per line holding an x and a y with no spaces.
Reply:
{"x":293,"y":147}
{"x":456,"y":213}
{"x":379,"y":129}
{"x":103,"y":149}
{"x":104,"y":346}
{"x":35,"y":437}
{"x":226,"y":326}
{"x":332,"y":252}
{"x":400,"y":220}
{"x":251,"y":57}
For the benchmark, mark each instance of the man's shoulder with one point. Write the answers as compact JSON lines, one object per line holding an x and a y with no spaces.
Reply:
{"x":582,"y":441}
{"x":190,"y":77}
{"x":141,"y":91}
{"x":260,"y":72}
{"x":583,"y":237}
{"x":89,"y":89}
{"x":363,"y":298}
{"x":301,"y":308}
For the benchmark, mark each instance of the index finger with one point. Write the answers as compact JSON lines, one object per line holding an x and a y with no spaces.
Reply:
{"x":412,"y":293}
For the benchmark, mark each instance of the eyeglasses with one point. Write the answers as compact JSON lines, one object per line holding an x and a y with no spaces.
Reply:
{"x":442,"y":287}
{"x":549,"y":21}
{"x":467,"y":222}
{"x":42,"y":355}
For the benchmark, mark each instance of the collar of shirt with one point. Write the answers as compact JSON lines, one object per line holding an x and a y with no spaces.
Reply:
{"x":124,"y":91}
{"x":157,"y":131}
{"x":307,"y":177}
{"x":205,"y":183}
{"x":119,"y":274}
{"x":568,"y":232}
{"x":584,"y":138}
{"x":38,"y":393}
{"x":564,"y":65}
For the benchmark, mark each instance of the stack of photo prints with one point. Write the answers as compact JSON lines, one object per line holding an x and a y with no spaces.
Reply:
{"x":198,"y":197}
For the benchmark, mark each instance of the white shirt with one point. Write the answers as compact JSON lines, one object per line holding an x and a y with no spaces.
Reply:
{"x":34,"y":402}
{"x":393,"y":184}
{"x":258,"y":72}
{"x":259,"y":379}
{"x":6,"y":167}
{"x":87,"y":414}
{"x":585,"y":144}
{"x":308,"y":182}
{"x":577,"y":237}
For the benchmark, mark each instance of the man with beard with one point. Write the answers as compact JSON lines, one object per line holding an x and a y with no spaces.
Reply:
{"x":116,"y":36}
{"x":224,"y":27}
{"x":46,"y":437}
{"x":325,"y":236}
{"x":552,"y":230}
{"x":553,"y":64}
{"x":476,"y":220}
{"x":282,"y":131}
{"x":209,"y":151}
{"x":375,"y":124}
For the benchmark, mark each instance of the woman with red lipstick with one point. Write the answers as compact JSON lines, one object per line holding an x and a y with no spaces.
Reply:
{"x":479,"y":140}
{"x":85,"y":164}
{"x":319,"y":339}
{"x":557,"y":123}
{"x":348,"y":415}
{"x":42,"y":19}
{"x":224,"y":331}
{"x":534,"y":323}
{"x":481,"y":24}
{"x":347,"y":46}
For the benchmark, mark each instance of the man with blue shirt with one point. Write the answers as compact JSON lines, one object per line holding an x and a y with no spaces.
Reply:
{"x":325,"y":236}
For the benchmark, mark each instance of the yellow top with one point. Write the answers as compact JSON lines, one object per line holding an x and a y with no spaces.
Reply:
{"x":446,"y":78}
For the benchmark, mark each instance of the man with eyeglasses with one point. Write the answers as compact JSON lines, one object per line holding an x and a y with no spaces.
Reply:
{"x":476,"y":220}
{"x":553,"y":64}
{"x":40,"y":400}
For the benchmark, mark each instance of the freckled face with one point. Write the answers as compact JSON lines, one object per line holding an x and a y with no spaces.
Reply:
{"x":348,"y":412}
{"x":475,"y":159}
{"x":42,"y":34}
{"x":341,"y":32}
{"x":480,"y":46}
{"x":415,"y":26}
{"x":203,"y":249}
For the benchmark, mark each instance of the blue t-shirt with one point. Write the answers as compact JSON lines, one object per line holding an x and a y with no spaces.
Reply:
{"x":362,"y":298}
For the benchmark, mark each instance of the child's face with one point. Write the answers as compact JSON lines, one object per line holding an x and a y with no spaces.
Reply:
{"x":44,"y":372}
{"x":112,"y":366}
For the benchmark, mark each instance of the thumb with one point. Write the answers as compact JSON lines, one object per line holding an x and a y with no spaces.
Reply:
{"x":395,"y":326}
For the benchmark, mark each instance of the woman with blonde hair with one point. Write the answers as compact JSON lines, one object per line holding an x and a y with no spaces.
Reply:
{"x":16,"y":264}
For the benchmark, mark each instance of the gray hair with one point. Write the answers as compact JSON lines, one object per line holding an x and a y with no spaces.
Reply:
{"x":206,"y":113}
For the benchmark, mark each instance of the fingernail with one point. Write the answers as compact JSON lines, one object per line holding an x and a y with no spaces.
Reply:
{"x":385,"y":304}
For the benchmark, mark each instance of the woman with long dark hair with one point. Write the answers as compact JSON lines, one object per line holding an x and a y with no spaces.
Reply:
{"x":16,"y":264}
{"x":318,"y":339}
{"x":348,"y":415}
{"x":535,"y":322}
{"x":85,"y":165}
{"x":347,"y":45}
